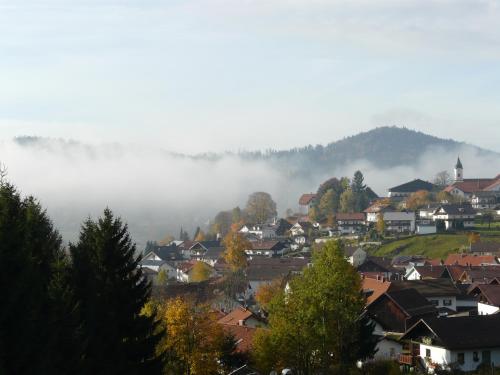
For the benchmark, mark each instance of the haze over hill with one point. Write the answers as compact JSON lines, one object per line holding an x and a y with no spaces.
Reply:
{"x":157,"y":191}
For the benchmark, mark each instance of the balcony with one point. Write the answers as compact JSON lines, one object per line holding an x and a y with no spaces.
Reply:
{"x":406,"y":359}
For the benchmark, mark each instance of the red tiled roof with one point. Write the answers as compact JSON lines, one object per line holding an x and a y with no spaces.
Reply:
{"x":305,"y":199}
{"x":470,"y":260}
{"x":378,"y":287}
{"x":493,"y":185}
{"x":350,"y":216}
{"x":471,"y":185}
{"x":234,"y":317}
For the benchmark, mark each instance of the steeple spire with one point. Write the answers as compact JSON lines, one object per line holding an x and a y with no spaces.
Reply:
{"x":459,"y":171}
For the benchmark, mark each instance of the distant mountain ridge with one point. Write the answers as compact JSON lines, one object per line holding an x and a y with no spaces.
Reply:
{"x":384,"y":147}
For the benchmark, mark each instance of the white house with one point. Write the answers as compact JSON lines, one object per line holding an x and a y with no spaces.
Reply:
{"x":348,"y":223}
{"x":461,"y":343}
{"x":306,"y":201}
{"x":454,"y":216}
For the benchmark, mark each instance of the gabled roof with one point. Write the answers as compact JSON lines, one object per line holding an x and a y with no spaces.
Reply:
{"x":413,"y":186}
{"x":378,"y":263}
{"x":410,"y":301}
{"x":490,"y":292}
{"x":461,"y":332}
{"x":471,"y":185}
{"x":170,"y":252}
{"x":455,"y":209}
{"x":305,"y":199}
{"x":469,"y":259}
{"x":205,"y":244}
{"x":267,"y":245}
{"x":430,"y":272}
{"x":267,"y":269}
{"x":214,"y":253}
{"x":235,"y":316}
{"x":481,"y":274}
{"x":428,"y":288}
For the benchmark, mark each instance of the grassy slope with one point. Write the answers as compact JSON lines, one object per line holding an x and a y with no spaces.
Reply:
{"x":432,"y":246}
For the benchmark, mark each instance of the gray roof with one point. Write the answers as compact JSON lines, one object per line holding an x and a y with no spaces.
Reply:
{"x":456,"y":209}
{"x":463,"y":332}
{"x":214,"y":253}
{"x":459,"y":164}
{"x":413,"y":186}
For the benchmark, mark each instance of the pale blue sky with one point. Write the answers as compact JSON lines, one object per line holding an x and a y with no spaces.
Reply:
{"x":213,"y":75}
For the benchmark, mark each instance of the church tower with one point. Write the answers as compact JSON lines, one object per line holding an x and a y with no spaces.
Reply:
{"x":459,"y":171}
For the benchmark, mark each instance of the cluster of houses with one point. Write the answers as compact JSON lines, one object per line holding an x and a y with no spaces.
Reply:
{"x":474,"y":196}
{"x":429,"y":314}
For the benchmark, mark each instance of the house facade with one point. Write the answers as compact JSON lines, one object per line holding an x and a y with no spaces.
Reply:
{"x":351,"y":223}
{"x":454,"y":216}
{"x":461,"y":343}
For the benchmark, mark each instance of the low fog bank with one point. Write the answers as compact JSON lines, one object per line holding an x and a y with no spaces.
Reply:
{"x":157,"y":192}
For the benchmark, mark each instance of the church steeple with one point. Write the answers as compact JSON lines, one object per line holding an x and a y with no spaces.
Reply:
{"x":459,"y":171}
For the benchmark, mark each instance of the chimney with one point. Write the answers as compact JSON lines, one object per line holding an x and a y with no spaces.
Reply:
{"x":241,"y":322}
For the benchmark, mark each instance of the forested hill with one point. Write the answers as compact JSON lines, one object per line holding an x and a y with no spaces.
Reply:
{"x":385,"y":147}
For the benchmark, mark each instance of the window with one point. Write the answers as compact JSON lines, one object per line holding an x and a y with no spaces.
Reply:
{"x":392,"y":352}
{"x":447,"y":302}
{"x":435,"y":302}
{"x":427,"y":353}
{"x":475,"y":356}
{"x":461,"y":358}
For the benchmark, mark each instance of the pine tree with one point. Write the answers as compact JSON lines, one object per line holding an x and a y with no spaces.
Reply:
{"x":37,"y":314}
{"x":111,"y":291}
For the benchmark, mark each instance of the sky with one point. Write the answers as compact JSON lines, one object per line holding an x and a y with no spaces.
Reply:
{"x":215,"y":75}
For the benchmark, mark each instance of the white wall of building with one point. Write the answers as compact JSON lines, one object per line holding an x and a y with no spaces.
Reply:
{"x":445,"y":357}
{"x":485,"y":309}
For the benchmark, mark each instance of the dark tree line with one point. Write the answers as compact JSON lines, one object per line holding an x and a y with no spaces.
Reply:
{"x":76,"y":312}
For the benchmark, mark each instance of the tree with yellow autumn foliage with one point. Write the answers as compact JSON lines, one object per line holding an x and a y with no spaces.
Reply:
{"x":200,"y":272}
{"x":266,"y":292}
{"x":192,"y":342}
{"x":418,"y":199}
{"x":236,"y":244}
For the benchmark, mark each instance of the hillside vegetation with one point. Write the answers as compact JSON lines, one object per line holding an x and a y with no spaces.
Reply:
{"x":432,"y":246}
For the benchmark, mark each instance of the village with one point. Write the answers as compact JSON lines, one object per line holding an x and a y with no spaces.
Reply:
{"x":431,"y":314}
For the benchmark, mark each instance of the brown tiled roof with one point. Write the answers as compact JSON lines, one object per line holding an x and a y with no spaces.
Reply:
{"x":263,"y":268}
{"x":235,"y":316}
{"x":427,"y":288}
{"x":455,"y":271}
{"x":430,"y":272}
{"x":350,"y":216}
{"x":378,"y":287}
{"x":482,"y":274}
{"x":490,"y":292}
{"x":469,"y":260}
{"x":242,"y":335}
{"x":305,"y":199}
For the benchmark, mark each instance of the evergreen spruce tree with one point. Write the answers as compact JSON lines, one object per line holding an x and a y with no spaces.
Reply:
{"x":38,"y":314}
{"x":111,"y":291}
